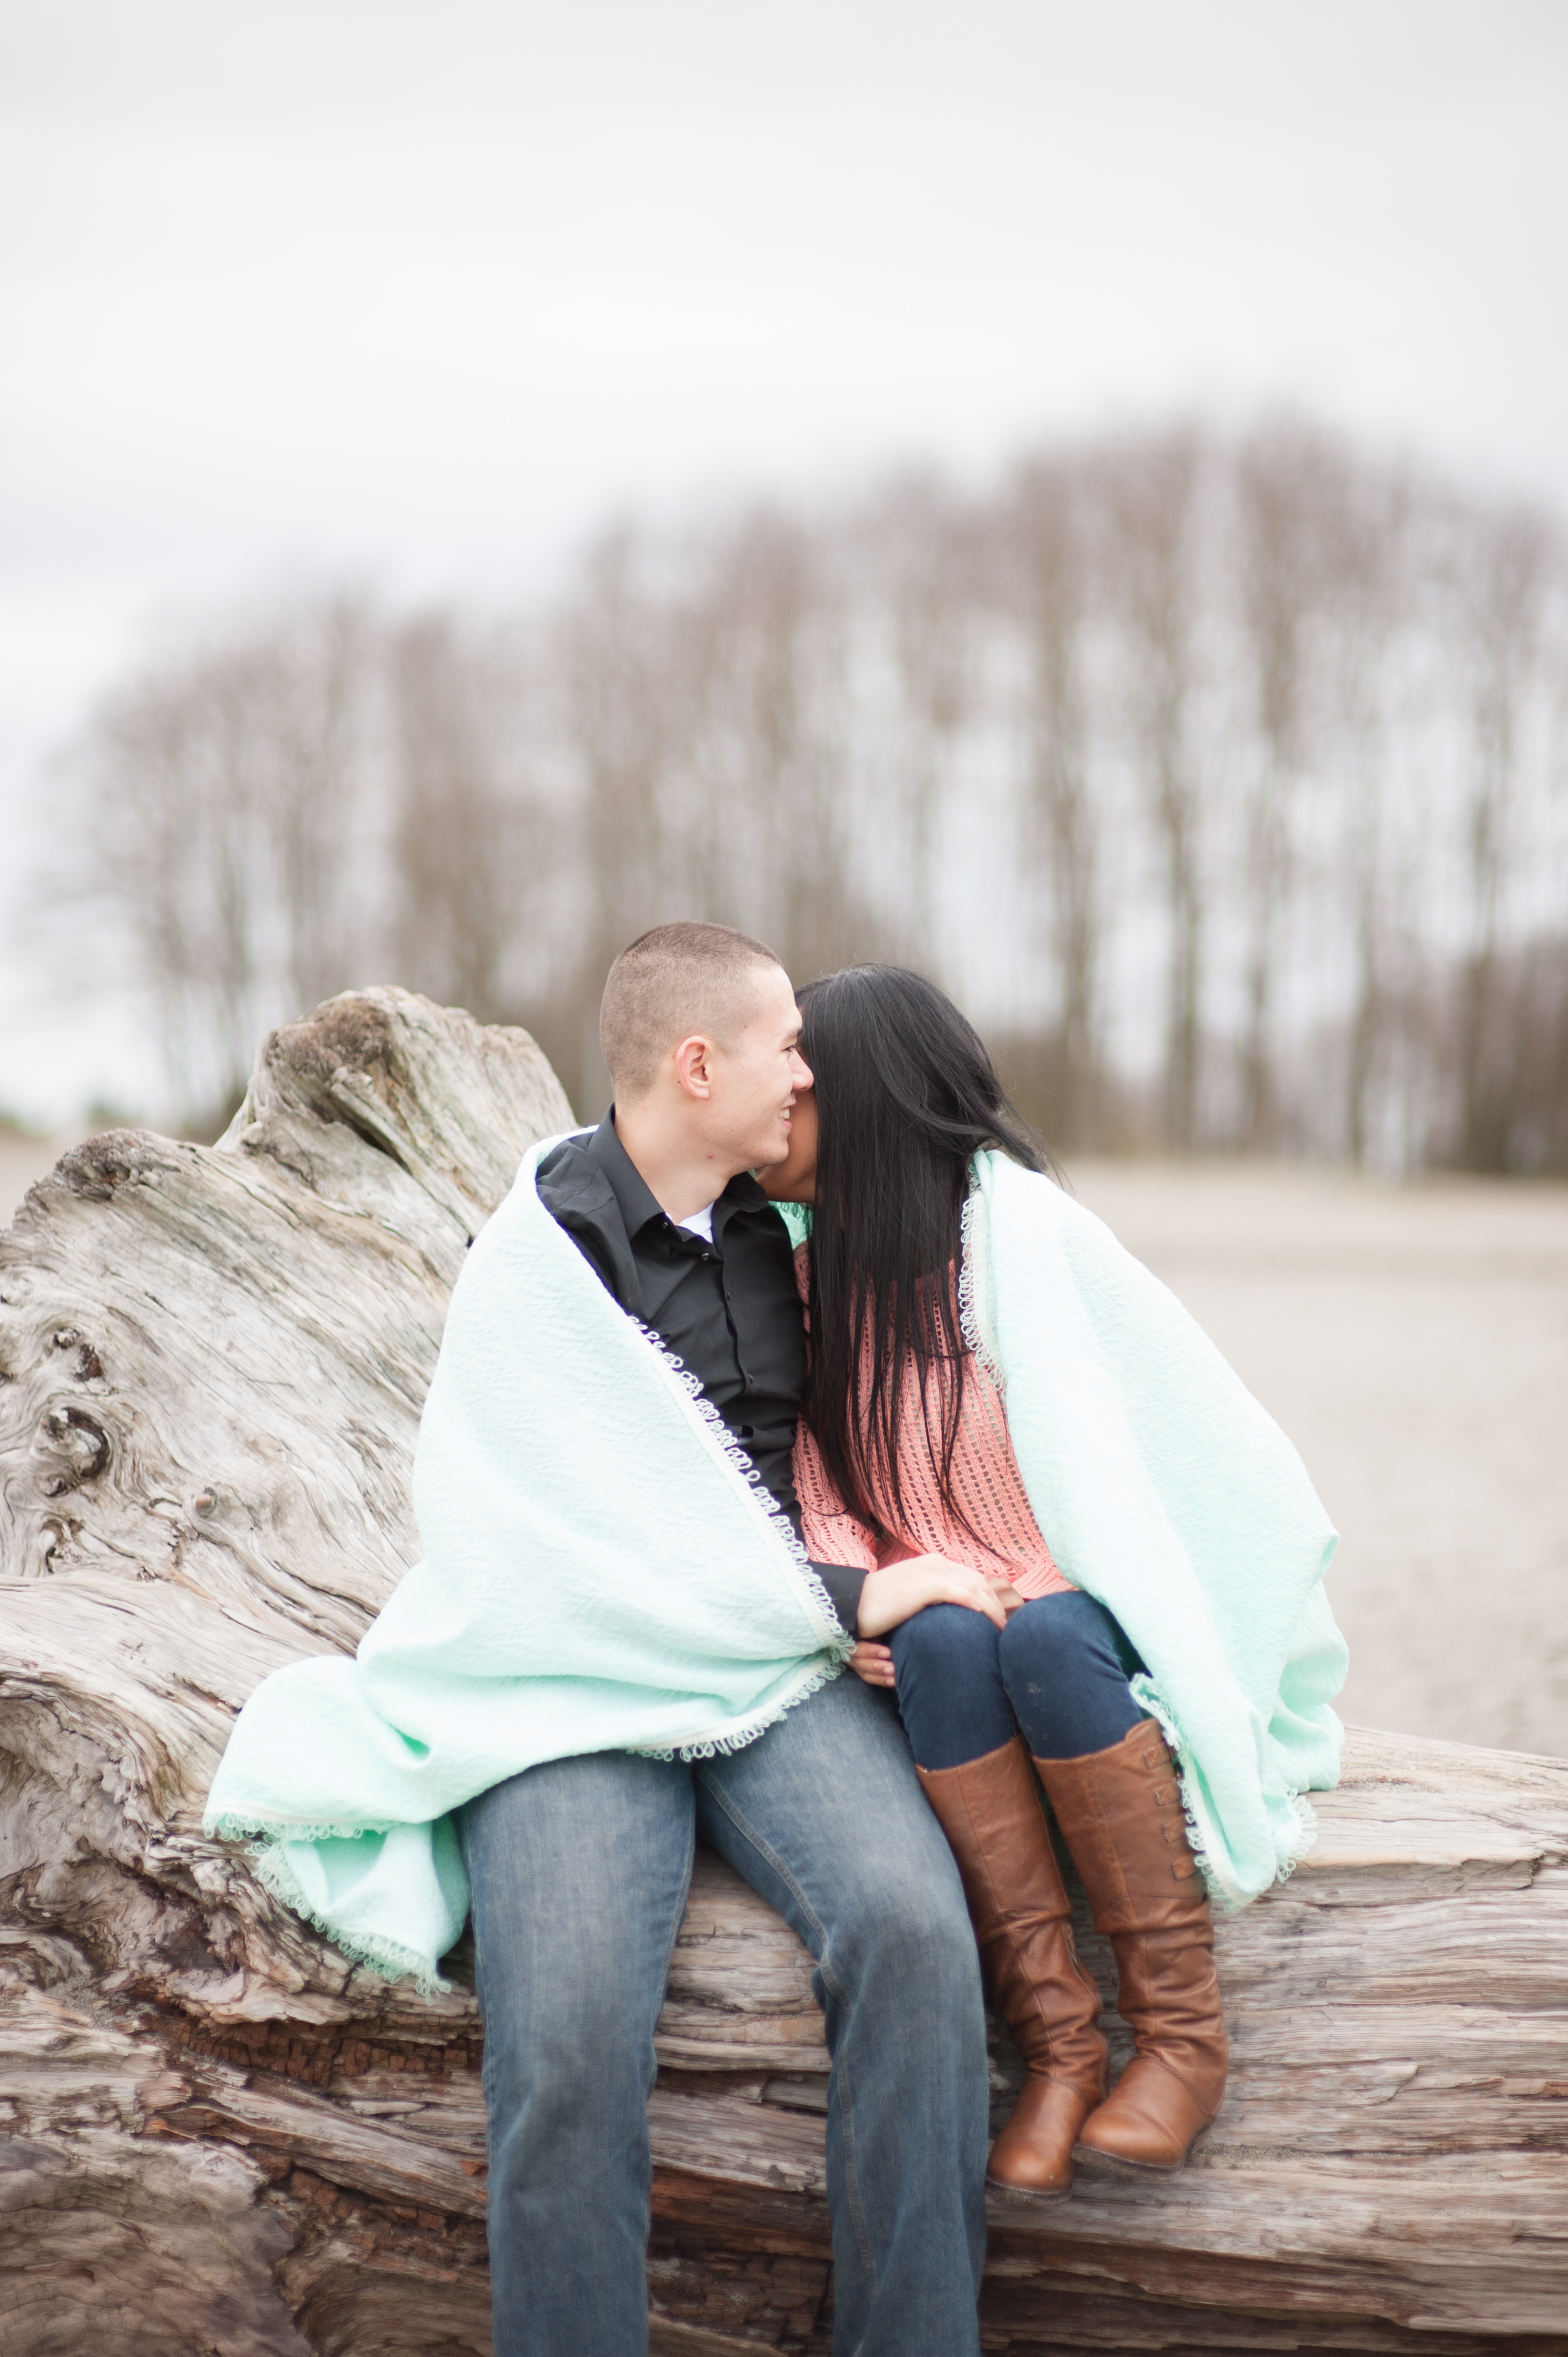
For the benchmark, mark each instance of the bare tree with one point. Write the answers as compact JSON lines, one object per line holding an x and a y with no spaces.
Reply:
{"x":221,"y":794}
{"x":1369,"y":525}
{"x":1148,"y":500}
{"x":1053,"y":590}
{"x":1198,"y":754}
{"x":311,"y":734}
{"x":609,"y":646}
{"x":1503,"y":583}
{"x":1279,"y":477}
{"x":172,"y":845}
{"x":767,"y":734}
{"x":471,"y":840}
{"x":922,"y":544}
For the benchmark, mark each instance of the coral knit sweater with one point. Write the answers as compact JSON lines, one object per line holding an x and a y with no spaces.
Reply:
{"x":985,"y":1481}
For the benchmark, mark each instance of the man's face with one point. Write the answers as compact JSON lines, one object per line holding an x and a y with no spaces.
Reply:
{"x":794,"y":1181}
{"x":755,"y":1081}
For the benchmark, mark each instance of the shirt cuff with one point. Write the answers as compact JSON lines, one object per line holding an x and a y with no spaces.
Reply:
{"x":843,"y":1584}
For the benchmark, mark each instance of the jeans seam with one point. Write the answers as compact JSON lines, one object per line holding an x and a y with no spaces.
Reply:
{"x":766,"y":1850}
{"x":852,"y":2182}
{"x":676,"y":1917}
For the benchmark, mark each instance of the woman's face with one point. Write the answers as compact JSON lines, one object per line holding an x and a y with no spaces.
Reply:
{"x":794,"y":1181}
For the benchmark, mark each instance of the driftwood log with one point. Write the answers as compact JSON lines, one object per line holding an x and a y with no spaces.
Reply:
{"x":217,"y":2135}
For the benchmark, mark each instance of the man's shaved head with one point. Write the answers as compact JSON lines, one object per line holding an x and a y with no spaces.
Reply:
{"x":671,"y":983}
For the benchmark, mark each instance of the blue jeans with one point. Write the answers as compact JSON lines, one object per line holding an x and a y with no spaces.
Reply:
{"x":580,"y":1870}
{"x":1057,"y":1674}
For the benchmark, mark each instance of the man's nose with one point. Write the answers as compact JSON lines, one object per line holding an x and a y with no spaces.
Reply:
{"x":799,"y":1071}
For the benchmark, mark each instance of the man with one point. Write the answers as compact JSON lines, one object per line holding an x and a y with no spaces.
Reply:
{"x":579,"y":1866}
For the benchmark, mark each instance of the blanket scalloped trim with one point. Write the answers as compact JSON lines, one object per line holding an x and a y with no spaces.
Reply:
{"x":1147,"y":1695}
{"x":387,"y":1957}
{"x":729,"y":1447}
{"x":741,"y":1736}
{"x":971,"y":1323}
{"x":241,"y":1824}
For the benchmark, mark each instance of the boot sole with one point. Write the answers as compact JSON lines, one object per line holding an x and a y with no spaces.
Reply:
{"x":1029,"y":2192}
{"x":1096,"y":2163}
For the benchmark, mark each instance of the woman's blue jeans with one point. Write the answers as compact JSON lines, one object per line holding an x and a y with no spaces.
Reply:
{"x":1058,"y":1674}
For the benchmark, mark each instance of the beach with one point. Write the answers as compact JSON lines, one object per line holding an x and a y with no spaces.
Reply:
{"x":1412,"y":1340}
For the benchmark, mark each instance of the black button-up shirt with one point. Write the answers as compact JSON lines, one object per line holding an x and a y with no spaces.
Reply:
{"x":729,"y":1311}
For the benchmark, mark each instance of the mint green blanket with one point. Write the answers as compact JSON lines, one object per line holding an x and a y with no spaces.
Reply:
{"x":1166,"y":1491}
{"x":603,"y":1573}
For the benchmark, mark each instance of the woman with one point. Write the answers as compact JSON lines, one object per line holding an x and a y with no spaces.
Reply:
{"x":946,"y":1272}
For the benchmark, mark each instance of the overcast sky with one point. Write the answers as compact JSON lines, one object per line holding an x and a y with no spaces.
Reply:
{"x":418,"y":294}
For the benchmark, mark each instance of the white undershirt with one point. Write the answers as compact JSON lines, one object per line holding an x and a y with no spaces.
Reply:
{"x":701,"y":1223}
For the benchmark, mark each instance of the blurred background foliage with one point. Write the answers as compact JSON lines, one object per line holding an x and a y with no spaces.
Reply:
{"x":1220,"y":776}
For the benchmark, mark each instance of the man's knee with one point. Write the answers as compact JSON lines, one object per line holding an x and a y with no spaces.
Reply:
{"x":572,"y":2056}
{"x":604,"y":2012}
{"x":911,"y":1933}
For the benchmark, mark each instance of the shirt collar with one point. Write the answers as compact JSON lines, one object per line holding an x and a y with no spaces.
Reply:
{"x":633,"y":1194}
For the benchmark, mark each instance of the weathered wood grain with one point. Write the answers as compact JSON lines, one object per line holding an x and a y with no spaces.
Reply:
{"x":215,"y":2135}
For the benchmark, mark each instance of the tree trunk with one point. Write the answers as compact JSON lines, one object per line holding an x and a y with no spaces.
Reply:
{"x":220,"y":2136}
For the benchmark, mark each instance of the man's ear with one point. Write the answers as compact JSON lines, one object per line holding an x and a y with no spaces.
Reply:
{"x":693,"y":1065}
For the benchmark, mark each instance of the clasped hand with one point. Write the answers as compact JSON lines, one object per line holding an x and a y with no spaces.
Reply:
{"x":901,"y":1589}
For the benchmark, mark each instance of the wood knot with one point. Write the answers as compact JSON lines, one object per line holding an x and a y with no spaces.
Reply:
{"x":279,"y":1143}
{"x":101,"y":1165}
{"x":78,"y":1446}
{"x":89,"y":1367}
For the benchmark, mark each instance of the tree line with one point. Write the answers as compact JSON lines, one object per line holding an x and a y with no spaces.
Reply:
{"x":1219,"y":775}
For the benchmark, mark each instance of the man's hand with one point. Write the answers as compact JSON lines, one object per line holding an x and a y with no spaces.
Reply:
{"x":901,"y":1589}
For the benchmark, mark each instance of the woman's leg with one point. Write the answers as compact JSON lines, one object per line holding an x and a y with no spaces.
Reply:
{"x":977,"y":1778}
{"x":1065,"y":1664}
{"x":1114,"y":1788}
{"x":951,"y":1699}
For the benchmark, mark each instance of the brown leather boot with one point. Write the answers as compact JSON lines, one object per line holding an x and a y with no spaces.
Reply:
{"x":1121,"y":1813}
{"x":990,"y":1811}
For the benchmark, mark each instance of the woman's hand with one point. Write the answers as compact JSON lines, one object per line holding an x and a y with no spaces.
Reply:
{"x":874,"y":1663}
{"x":901,"y":1589}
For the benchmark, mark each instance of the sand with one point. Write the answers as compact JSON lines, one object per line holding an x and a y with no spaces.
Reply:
{"x":22,"y":1160}
{"x":1413,"y":1342}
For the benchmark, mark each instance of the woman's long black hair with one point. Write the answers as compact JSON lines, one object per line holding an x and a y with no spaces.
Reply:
{"x":905,"y":1095}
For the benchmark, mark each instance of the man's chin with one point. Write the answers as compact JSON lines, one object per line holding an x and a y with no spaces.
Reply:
{"x":775,"y":1155}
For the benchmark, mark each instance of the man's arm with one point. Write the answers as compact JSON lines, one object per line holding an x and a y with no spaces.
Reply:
{"x":843,"y":1584}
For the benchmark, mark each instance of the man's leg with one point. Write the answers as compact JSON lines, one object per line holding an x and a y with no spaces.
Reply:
{"x":579,"y":1870}
{"x":824,"y":1816}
